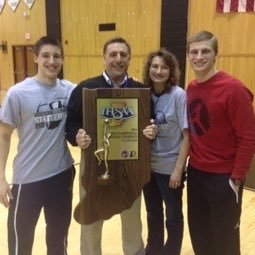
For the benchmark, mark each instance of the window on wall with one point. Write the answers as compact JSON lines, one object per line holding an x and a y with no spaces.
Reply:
{"x":24,"y":65}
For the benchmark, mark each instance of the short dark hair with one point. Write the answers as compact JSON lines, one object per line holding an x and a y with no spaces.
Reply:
{"x":204,"y":36}
{"x":170,"y":60}
{"x":116,"y":40}
{"x":47,"y":40}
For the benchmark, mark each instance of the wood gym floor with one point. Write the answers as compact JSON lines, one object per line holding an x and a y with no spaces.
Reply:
{"x":111,"y":242}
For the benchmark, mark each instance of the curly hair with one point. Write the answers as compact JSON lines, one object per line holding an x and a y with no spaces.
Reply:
{"x":170,"y":61}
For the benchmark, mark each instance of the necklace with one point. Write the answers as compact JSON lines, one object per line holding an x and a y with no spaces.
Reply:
{"x":158,"y":112}
{"x":156,"y":99}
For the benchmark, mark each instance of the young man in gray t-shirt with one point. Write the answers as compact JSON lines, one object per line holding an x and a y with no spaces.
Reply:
{"x":43,"y":170}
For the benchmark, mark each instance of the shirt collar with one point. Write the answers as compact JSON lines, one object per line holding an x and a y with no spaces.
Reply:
{"x":111,"y":83}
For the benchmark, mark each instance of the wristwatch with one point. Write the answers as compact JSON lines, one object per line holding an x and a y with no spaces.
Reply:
{"x":237,"y":182}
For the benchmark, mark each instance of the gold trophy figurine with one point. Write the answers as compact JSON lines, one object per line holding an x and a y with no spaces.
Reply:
{"x":105,"y":178}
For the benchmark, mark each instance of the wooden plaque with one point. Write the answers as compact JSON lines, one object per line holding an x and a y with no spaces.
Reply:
{"x":130,"y":169}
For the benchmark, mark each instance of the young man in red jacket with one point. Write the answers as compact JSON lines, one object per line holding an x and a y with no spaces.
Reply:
{"x":222,"y":127}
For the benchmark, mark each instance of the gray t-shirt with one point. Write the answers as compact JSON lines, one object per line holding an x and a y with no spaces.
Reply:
{"x":38,"y":112}
{"x":171,"y":118}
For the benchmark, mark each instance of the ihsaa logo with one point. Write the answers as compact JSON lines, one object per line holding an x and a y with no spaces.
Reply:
{"x":117,"y":113}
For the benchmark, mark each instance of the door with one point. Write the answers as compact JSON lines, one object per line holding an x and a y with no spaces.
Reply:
{"x":24,"y":65}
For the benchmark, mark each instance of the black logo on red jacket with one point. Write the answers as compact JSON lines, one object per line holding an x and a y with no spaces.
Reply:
{"x":198,"y":117}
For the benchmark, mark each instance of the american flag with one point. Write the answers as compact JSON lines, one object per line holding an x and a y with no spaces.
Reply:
{"x":235,"y":6}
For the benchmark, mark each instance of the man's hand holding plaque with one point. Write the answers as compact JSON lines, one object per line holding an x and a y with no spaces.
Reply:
{"x":82,"y":139}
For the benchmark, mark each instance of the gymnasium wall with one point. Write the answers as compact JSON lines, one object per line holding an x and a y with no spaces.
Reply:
{"x":13,"y":27}
{"x":137,"y":21}
{"x":235,"y":32}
